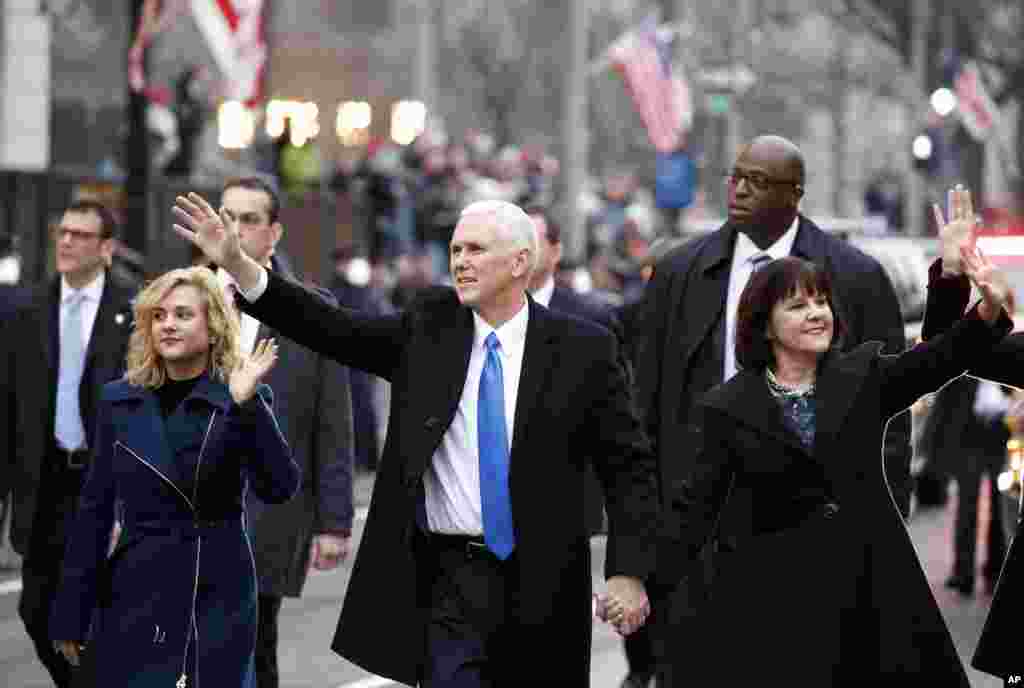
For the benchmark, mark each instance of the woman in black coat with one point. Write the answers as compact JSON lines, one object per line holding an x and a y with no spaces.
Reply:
{"x":838,"y":597}
{"x":179,"y":442}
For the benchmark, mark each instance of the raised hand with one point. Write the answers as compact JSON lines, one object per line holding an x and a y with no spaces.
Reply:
{"x":959,"y":232}
{"x":251,"y":369}
{"x":992,"y":282}
{"x":213,"y":233}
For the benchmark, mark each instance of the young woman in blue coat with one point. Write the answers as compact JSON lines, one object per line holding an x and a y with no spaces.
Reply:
{"x":180,"y":440}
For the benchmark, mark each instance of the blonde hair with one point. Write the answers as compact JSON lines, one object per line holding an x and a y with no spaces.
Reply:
{"x":145,"y":366}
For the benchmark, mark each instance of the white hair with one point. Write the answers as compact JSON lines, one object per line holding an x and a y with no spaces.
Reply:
{"x":514,"y":225}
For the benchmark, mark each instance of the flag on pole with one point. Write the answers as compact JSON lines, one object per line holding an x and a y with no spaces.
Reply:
{"x":978,"y":112}
{"x":661,"y":96}
{"x":234,"y":32}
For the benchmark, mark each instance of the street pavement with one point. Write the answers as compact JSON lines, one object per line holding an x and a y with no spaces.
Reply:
{"x":307,"y":624}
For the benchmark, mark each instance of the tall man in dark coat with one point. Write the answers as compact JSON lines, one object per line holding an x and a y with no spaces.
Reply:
{"x":474,"y":568}
{"x":313,"y":404}
{"x":558,"y":297}
{"x":58,"y":350}
{"x":688,"y":320}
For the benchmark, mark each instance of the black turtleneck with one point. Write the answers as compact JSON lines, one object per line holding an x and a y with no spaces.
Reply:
{"x":173,"y":392}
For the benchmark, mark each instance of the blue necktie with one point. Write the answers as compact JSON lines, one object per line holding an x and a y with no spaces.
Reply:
{"x":68,"y":427}
{"x":492,"y":441}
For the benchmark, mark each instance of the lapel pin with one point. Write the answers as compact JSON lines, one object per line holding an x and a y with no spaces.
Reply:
{"x":119,"y":318}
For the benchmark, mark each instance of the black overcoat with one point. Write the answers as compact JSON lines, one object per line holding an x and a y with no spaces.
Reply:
{"x":827,"y":590}
{"x":573,"y":402}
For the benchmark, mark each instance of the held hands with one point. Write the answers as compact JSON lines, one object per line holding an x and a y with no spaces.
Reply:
{"x":625,"y":606}
{"x":328,"y":551}
{"x":991,"y":282}
{"x":251,"y":369}
{"x":959,"y":232}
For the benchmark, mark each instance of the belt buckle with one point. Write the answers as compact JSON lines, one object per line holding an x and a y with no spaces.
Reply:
{"x":72,"y":463}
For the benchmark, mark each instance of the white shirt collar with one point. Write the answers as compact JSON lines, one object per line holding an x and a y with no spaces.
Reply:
{"x":90,"y":292}
{"x":511,"y":333}
{"x":545,"y":292}
{"x":783,"y":246}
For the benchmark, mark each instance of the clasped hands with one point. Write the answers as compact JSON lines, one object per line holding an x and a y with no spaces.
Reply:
{"x":625,"y":605}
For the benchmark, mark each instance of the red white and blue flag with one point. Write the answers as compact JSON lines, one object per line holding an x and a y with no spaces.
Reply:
{"x":660,"y":94}
{"x":978,"y":112}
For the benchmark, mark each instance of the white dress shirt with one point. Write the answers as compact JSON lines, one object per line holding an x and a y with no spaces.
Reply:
{"x":545,"y":292}
{"x":452,"y":482}
{"x":91,"y":295}
{"x":739,"y":274}
{"x":250,"y":326}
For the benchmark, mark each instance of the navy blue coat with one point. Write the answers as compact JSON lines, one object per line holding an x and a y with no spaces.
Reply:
{"x":178,"y":594}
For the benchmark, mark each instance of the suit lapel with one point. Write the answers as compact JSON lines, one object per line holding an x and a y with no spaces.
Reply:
{"x":702,"y":301}
{"x":49,"y":321}
{"x":751,"y":403}
{"x":146,"y":435}
{"x":538,"y":358}
{"x":839,"y":381}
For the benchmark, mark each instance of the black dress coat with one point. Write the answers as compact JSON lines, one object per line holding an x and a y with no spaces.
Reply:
{"x":681,"y":343}
{"x":29,"y":356}
{"x":573,"y":402}
{"x":565,"y":300}
{"x":827,"y":589}
{"x":998,"y":650}
{"x":313,"y":404}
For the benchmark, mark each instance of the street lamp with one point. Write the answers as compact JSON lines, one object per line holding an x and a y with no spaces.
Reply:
{"x":923,"y":147}
{"x":943,"y":101}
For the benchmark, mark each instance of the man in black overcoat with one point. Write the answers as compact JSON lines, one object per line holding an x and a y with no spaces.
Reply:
{"x":474,"y":567}
{"x":59,"y":348}
{"x":686,"y":328}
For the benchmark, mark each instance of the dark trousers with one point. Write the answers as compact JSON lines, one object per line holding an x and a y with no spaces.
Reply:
{"x":266,"y":642}
{"x":467,"y":635}
{"x":40,"y":579}
{"x":41,"y":570}
{"x":965,"y":537}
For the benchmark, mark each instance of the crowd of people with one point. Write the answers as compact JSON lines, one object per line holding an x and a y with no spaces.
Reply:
{"x":740,"y":413}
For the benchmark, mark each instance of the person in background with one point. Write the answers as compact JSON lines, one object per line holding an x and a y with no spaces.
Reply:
{"x":61,"y":345}
{"x":314,"y":408}
{"x":179,"y":442}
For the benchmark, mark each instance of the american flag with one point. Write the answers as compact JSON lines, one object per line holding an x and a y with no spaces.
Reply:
{"x":978,"y":112}
{"x":233,"y":30}
{"x":660,"y":95}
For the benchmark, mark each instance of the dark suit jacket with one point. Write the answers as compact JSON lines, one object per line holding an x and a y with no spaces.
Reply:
{"x":573,"y":402}
{"x":682,"y":344}
{"x":846,"y":578}
{"x":29,"y":355}
{"x":313,"y":404}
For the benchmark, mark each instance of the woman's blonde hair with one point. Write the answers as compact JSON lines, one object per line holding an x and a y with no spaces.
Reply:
{"x":145,"y":366}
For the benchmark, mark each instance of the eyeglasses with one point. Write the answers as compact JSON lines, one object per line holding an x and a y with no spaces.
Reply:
{"x":77,"y":236}
{"x":757,"y":181}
